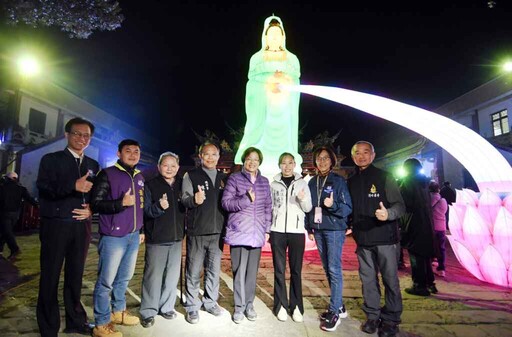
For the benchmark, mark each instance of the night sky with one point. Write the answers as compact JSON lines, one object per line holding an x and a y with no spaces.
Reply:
{"x":176,"y":67}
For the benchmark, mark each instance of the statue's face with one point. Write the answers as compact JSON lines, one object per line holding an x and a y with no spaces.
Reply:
{"x":274,"y":38}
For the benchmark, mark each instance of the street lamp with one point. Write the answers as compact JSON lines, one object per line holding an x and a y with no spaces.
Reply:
{"x":507,"y":66}
{"x":28,"y":66}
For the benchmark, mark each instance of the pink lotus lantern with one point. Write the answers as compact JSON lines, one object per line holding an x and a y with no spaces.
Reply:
{"x":481,"y":235}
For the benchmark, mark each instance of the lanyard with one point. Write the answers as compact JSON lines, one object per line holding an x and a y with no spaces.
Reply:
{"x":319,"y":190}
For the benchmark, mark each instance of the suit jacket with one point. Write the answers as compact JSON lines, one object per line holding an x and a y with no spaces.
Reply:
{"x":58,"y":172}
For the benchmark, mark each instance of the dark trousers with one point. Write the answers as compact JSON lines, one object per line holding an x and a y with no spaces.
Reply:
{"x":295,"y":244}
{"x":7,"y":222}
{"x":245,"y":262}
{"x":441,"y":246}
{"x":373,"y":260}
{"x":61,"y":241}
{"x":421,"y":271}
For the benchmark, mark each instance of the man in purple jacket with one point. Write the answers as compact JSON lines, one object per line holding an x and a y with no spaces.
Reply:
{"x":118,"y":196}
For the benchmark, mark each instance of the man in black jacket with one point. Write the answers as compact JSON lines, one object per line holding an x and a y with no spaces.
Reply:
{"x":377,"y":205}
{"x":12,"y":195}
{"x":64,"y":182}
{"x":202,"y":194}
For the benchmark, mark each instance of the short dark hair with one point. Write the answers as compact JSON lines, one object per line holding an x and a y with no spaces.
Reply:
{"x":433,"y":186}
{"x":78,"y":121}
{"x":250,"y":150}
{"x":446,"y":183}
{"x":284,"y":154}
{"x":127,"y":142}
{"x":330,"y":152}
{"x":412,"y":166}
{"x":202,"y":146}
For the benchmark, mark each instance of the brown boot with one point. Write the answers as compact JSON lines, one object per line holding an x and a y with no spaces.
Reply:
{"x":106,"y":330}
{"x":124,"y":318}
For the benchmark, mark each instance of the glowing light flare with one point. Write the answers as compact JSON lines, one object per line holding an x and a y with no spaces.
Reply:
{"x":28,"y":66}
{"x":507,"y":66}
{"x":486,"y":165}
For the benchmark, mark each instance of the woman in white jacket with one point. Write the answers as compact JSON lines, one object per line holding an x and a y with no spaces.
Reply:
{"x":291,"y":199}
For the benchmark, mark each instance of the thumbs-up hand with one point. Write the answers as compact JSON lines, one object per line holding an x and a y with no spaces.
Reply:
{"x":82,"y":184}
{"x":381,"y":213}
{"x":301,"y":195}
{"x":163,"y":201}
{"x":251,"y":194}
{"x":329,"y":201}
{"x":128,"y":198}
{"x":199,"y":195}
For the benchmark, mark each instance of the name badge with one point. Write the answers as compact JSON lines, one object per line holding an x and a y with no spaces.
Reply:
{"x":318,"y":215}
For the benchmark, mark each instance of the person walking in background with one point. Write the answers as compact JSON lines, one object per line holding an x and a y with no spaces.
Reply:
{"x":326,"y":223}
{"x":64,"y":181}
{"x":12,"y":196}
{"x":164,"y":229}
{"x":439,"y":209}
{"x":118,"y":196}
{"x":418,"y":228}
{"x":449,"y":194}
{"x":202,"y":194}
{"x":291,"y":199}
{"x":249,"y":205}
{"x":377,"y":206}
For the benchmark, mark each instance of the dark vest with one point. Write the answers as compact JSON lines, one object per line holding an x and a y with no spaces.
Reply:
{"x":367,"y":189}
{"x":207,"y":218}
{"x":170,"y":226}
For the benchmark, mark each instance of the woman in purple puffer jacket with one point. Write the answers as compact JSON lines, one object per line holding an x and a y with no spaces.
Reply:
{"x":247,"y":199}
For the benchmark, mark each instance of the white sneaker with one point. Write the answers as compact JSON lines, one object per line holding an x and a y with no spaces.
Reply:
{"x":441,"y":273}
{"x":297,"y":316}
{"x":343,"y":312}
{"x":282,"y":315}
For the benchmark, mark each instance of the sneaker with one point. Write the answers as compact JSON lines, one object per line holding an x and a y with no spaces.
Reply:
{"x":343,"y":312}
{"x":216,"y":310}
{"x":388,"y":329}
{"x":192,"y":317}
{"x":106,"y":330}
{"x":297,"y":316}
{"x":124,"y":318}
{"x":370,"y":326}
{"x":417,"y":291}
{"x":169,"y":315}
{"x":282,"y":315}
{"x":433,"y":289}
{"x":84,"y":329}
{"x":238,"y":317}
{"x":331,"y":322}
{"x":147,"y":322}
{"x":441,"y":273}
{"x":251,"y":314}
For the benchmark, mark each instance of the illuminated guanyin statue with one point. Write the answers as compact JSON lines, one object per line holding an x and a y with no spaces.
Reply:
{"x":272,"y":113}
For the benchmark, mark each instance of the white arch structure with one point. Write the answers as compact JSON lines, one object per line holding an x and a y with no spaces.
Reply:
{"x":485,"y":164}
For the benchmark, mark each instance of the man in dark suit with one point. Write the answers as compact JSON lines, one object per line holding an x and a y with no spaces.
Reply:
{"x":64,"y":182}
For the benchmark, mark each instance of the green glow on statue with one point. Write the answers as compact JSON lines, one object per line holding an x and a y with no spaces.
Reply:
{"x":272,"y":113}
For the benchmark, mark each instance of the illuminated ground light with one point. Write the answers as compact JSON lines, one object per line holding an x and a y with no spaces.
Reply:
{"x":482,"y":237}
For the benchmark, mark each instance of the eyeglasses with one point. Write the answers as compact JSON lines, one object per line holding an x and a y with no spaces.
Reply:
{"x":323,"y":158}
{"x":78,"y":134}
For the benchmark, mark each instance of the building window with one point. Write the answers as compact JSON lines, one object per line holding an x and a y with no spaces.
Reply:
{"x":500,"y":123}
{"x":37,"y":121}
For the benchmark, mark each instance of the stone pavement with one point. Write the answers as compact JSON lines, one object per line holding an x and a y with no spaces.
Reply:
{"x":464,"y":307}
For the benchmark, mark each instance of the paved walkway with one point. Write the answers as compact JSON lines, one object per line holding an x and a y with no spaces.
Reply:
{"x":464,"y":307}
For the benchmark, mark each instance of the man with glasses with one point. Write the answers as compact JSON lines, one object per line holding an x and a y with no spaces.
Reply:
{"x":64,"y":181}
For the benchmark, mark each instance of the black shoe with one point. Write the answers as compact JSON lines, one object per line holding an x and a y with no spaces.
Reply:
{"x":342,"y":313}
{"x":433,"y":289}
{"x":147,"y":322}
{"x":388,"y":329}
{"x":331,"y":322}
{"x":192,"y":317}
{"x":370,"y":326}
{"x":417,"y":291}
{"x":84,"y":329}
{"x":169,"y":315}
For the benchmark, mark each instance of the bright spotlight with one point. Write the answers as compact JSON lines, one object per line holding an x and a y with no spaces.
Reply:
{"x":507,"y":66}
{"x":28,"y":66}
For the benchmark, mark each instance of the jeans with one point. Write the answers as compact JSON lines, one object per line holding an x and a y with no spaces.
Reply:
{"x":116,"y":265}
{"x":330,"y":246}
